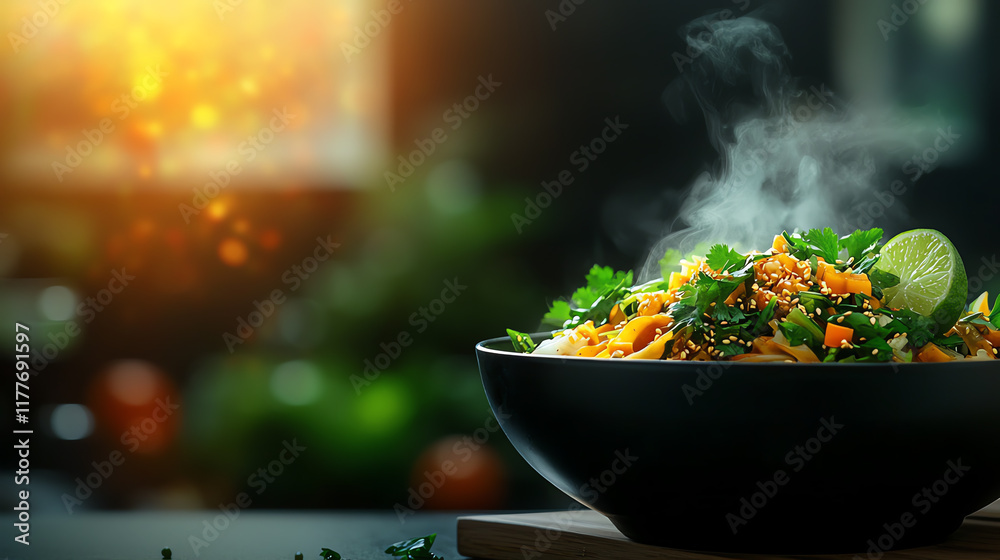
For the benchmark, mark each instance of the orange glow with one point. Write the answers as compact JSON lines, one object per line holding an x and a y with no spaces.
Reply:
{"x":217,"y":210}
{"x":270,"y":239}
{"x":135,"y":403}
{"x":112,"y":89}
{"x":233,"y":252}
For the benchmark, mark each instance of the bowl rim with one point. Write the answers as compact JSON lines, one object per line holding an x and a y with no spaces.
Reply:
{"x":483,"y":347}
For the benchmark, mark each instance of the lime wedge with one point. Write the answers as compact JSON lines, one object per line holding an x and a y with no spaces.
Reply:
{"x":932,"y":278}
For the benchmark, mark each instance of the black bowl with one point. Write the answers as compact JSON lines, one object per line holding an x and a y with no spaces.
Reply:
{"x":743,"y":457}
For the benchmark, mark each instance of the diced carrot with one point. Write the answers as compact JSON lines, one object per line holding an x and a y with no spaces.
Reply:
{"x":591,"y":351}
{"x":676,"y":280}
{"x":605,"y":328}
{"x":616,"y":345}
{"x":616,"y":316}
{"x":587,"y":330}
{"x":737,"y":293}
{"x":931,"y":353}
{"x":639,"y":332}
{"x":836,"y":281}
{"x":859,"y":284}
{"x":788,"y":261}
{"x":837,"y":335}
{"x":824,"y":268}
{"x":780,"y":244}
{"x":653,"y":350}
{"x":763,"y":297}
{"x":651,"y":304}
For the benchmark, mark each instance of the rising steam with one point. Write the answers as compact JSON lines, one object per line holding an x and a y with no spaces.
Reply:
{"x":790,"y":158}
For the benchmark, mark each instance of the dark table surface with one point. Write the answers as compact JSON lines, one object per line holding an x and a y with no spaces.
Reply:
{"x":256,"y":535}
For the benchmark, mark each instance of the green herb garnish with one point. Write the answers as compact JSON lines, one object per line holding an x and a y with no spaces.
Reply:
{"x":328,"y":554}
{"x":522,"y":342}
{"x":415,"y":549}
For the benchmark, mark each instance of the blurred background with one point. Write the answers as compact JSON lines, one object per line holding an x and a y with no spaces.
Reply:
{"x":291,"y":222}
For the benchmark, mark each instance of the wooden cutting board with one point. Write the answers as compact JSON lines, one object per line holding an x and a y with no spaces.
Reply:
{"x":588,"y":534}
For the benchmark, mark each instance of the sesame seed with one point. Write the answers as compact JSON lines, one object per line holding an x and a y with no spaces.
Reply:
{"x":840,"y":300}
{"x":733,"y":338}
{"x":755,"y":286}
{"x":875,"y":352}
{"x":995,"y":351}
{"x":874,"y":320}
{"x":725,"y":341}
{"x":848,"y":313}
{"x":840,"y":319}
{"x":819,"y":312}
{"x":795,"y":301}
{"x":750,"y":343}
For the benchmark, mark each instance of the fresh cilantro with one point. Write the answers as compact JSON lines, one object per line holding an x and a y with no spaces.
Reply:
{"x":831,"y":355}
{"x":765,"y":316}
{"x":825,"y":243}
{"x":864,"y":266}
{"x":599,"y":280}
{"x":861,"y":242}
{"x":796,"y":316}
{"x":705,"y":294}
{"x":952,"y":342}
{"x":558,"y":315}
{"x":874,"y":350}
{"x":813,"y":300}
{"x":795,"y":334}
{"x":415,"y":549}
{"x":728,"y":350}
{"x":522,"y":342}
{"x":724,"y":259}
{"x":328,"y":554}
{"x":995,"y":314}
{"x":861,"y":246}
{"x":919,"y":329}
{"x":593,"y":302}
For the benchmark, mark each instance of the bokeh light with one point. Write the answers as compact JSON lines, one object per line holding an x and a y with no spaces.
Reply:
{"x":71,"y":421}
{"x":296,"y":383}
{"x":57,"y":303}
{"x":233,"y":252}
